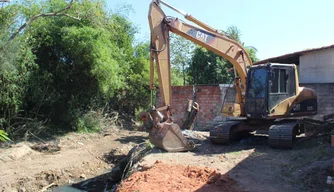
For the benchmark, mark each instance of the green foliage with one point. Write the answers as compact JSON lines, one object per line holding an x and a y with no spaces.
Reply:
{"x":181,"y":54}
{"x":82,"y":64}
{"x":252,"y":53}
{"x":234,"y":33}
{"x":57,"y":69}
{"x":4,"y":136}
{"x":135,"y":94}
{"x":209,"y":68}
{"x":89,"y":122}
{"x":149,"y":145}
{"x":60,"y":71}
{"x":16,"y":61}
{"x":177,"y":76}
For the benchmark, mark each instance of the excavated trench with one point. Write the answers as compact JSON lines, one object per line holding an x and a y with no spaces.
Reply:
{"x":279,"y":169}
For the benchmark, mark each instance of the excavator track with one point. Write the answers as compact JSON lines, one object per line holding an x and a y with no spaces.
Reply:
{"x":283,"y":135}
{"x":223,"y":133}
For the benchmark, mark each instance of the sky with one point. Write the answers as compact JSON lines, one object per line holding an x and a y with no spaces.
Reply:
{"x":273,"y":27}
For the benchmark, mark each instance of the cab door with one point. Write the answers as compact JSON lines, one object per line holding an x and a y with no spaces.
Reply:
{"x":256,"y":94}
{"x":281,"y":84}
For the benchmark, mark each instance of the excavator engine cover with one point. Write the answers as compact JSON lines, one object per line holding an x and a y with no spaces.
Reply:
{"x":168,"y":136}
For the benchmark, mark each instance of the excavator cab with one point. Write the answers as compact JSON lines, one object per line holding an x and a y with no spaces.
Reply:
{"x":268,"y":85}
{"x":273,"y":91}
{"x":272,"y":94}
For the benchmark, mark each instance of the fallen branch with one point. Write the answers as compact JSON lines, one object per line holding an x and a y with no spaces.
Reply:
{"x":47,"y":187}
{"x":29,"y":132}
{"x":57,"y":13}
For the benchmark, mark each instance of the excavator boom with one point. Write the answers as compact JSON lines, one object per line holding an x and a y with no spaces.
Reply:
{"x":159,"y":120}
{"x":205,"y":36}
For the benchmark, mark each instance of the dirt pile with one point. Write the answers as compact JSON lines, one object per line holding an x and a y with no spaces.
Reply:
{"x":169,"y":177}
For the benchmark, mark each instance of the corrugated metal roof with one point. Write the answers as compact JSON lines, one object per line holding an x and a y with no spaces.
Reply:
{"x":291,"y":57}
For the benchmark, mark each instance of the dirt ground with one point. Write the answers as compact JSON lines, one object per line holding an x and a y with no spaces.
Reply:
{"x":81,"y":156}
{"x":85,"y":161}
{"x":171,"y":177}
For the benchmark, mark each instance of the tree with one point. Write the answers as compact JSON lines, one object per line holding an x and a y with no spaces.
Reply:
{"x":135,"y":95}
{"x":181,"y":53}
{"x":67,"y":59}
{"x":210,"y":68}
{"x":234,"y":33}
{"x":60,"y":12}
{"x":81,"y":64}
{"x":16,"y":60}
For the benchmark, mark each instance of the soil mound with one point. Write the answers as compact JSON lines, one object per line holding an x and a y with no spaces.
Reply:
{"x":169,"y":177}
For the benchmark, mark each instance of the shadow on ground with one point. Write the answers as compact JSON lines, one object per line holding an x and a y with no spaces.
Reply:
{"x":113,"y":157}
{"x":303,"y":168}
{"x":99,"y":183}
{"x":134,"y":139}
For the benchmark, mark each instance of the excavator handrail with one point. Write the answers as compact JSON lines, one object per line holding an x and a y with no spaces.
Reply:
{"x":189,"y":17}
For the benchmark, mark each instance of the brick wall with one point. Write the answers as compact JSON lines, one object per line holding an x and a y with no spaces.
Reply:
{"x":209,"y":97}
{"x":325,"y":92}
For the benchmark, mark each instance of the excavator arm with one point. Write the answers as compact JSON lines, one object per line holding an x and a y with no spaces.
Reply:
{"x":163,"y":132}
{"x":206,"y":36}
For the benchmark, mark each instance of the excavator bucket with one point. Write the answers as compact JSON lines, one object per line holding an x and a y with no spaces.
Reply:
{"x":166,"y":135}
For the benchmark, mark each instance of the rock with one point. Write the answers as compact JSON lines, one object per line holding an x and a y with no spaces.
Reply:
{"x":83,"y":176}
{"x":80,"y":143}
{"x":19,"y":152}
{"x":46,"y":147}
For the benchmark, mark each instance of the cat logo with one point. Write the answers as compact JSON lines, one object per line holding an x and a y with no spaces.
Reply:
{"x":200,"y":35}
{"x":310,"y":108}
{"x":296,"y":107}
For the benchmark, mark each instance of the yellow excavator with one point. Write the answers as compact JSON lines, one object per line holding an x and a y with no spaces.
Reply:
{"x":268,"y":96}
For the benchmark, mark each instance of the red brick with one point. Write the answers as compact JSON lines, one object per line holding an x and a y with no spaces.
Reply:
{"x":208,"y":97}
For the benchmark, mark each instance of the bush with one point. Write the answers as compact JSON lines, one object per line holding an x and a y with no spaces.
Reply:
{"x":90,"y":122}
{"x":58,"y":72}
{"x":97,"y":120}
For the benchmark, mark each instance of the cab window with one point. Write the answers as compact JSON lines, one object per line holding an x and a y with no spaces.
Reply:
{"x":279,"y":81}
